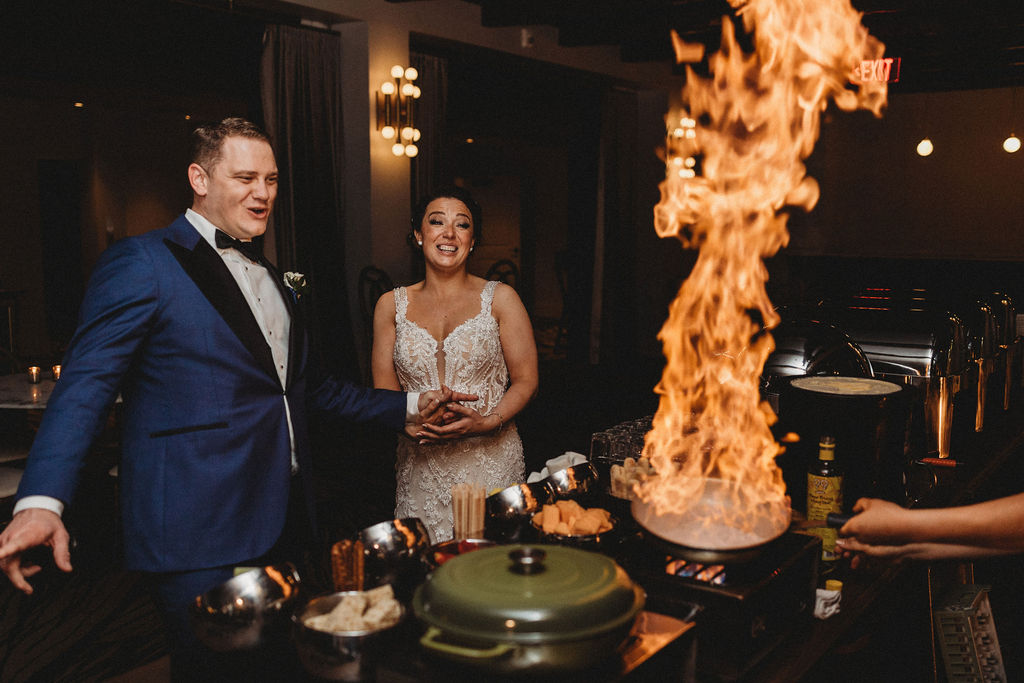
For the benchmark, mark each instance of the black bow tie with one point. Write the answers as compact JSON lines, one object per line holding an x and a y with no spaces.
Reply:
{"x":251,"y":250}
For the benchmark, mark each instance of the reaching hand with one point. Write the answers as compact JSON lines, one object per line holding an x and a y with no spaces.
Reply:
{"x":30,"y":528}
{"x":435,"y":405}
{"x":432,"y":404}
{"x":465,"y":421}
{"x":878,"y":522}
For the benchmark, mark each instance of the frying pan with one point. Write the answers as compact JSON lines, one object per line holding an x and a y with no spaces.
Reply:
{"x":701,"y":534}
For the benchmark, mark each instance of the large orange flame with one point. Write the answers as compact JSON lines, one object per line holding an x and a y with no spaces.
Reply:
{"x":735,"y":160}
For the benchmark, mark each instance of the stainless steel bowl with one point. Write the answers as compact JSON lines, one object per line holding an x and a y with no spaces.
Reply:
{"x":247,"y":610}
{"x":341,"y":655}
{"x":396,"y":552}
{"x":521,"y":500}
{"x":509,"y":511}
{"x":573,"y":482}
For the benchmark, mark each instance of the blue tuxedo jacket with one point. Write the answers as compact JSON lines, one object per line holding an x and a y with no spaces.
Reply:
{"x":206,"y":465}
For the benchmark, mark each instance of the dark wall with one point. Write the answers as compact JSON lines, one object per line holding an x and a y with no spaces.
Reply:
{"x":880,"y":199}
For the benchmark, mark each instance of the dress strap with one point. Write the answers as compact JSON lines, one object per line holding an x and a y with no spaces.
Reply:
{"x":401,"y":303}
{"x":487,"y":296}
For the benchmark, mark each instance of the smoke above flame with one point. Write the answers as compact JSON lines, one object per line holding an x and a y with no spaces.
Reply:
{"x":734,"y":159}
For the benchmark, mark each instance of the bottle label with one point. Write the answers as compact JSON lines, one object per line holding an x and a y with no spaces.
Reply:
{"x":824,"y":495}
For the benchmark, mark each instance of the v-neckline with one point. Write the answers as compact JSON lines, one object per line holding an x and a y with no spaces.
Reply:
{"x":439,"y":343}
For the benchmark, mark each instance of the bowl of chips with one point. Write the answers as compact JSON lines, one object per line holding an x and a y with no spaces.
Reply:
{"x":340,"y":636}
{"x":566,"y":522}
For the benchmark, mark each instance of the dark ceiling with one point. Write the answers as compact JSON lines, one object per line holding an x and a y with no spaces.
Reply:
{"x":942,"y":44}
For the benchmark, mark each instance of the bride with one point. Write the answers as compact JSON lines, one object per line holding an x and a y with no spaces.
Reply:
{"x":464,"y":332}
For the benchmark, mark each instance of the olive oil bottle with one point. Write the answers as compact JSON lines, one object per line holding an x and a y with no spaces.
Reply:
{"x":825,"y":495}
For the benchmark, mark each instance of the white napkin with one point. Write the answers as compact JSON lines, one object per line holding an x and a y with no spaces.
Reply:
{"x":564,"y":461}
{"x":826,"y":603}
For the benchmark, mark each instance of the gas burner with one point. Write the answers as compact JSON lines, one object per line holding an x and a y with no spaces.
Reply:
{"x":714,"y":574}
{"x":746,"y":608}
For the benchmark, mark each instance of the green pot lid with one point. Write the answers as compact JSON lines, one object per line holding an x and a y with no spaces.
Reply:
{"x":568,"y":594}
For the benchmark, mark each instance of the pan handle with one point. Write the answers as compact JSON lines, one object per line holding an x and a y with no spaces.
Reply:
{"x":430,"y":641}
{"x":836,"y":521}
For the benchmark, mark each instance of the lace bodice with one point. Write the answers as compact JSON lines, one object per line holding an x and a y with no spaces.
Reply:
{"x":472,"y":362}
{"x":470,"y":355}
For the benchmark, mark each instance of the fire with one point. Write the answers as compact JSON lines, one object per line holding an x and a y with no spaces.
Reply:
{"x":734,"y":161}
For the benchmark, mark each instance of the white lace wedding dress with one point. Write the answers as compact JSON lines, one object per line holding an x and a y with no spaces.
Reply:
{"x":473,"y":363}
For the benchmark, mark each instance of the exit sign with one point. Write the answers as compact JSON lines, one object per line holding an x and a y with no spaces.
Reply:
{"x":885,"y":70}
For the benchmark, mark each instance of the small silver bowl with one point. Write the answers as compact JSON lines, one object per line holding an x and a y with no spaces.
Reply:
{"x":245,"y":611}
{"x":508,"y":511}
{"x":575,"y":481}
{"x":338,"y":655}
{"x":396,"y":552}
{"x":521,"y":500}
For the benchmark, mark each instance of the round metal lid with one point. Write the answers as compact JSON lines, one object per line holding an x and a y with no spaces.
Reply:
{"x":528,"y":594}
{"x":846,"y":386}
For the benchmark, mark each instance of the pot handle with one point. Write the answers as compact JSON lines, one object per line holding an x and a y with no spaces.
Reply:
{"x":430,"y":641}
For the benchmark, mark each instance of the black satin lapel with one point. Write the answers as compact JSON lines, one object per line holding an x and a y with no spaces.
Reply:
{"x":207,"y":270}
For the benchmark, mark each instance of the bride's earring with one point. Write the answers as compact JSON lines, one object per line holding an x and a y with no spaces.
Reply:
{"x":419,"y":243}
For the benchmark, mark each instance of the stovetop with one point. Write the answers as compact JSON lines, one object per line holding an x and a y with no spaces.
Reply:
{"x":743,"y":609}
{"x":789,"y":552}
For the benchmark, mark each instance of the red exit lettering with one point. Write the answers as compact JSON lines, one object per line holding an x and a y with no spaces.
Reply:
{"x":877,"y":70}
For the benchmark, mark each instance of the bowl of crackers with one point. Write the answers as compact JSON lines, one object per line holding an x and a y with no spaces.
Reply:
{"x":340,"y":636}
{"x":566,"y":522}
{"x":625,"y":477}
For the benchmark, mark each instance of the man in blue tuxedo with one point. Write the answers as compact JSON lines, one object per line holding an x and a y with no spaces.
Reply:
{"x":197,"y":333}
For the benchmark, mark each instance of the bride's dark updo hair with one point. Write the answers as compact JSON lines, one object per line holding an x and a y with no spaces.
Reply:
{"x":450,"y":192}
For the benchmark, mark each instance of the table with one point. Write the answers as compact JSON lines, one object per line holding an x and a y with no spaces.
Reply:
{"x":985,"y":459}
{"x":17,"y":393}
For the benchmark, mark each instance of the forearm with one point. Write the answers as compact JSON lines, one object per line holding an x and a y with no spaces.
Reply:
{"x":949,"y":551}
{"x":995,"y":524}
{"x":512,"y":403}
{"x":347,"y":401}
{"x":925,"y":552}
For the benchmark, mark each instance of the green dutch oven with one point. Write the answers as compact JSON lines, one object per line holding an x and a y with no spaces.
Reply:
{"x":529,"y":609}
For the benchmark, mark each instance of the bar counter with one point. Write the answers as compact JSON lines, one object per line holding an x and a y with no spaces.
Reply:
{"x":903,"y":595}
{"x":885,"y":609}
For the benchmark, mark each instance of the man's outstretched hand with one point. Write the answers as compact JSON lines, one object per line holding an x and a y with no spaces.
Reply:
{"x":31,"y":528}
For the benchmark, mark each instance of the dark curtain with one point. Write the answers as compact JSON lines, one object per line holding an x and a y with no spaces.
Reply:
{"x":430,"y":168}
{"x":300,"y":77}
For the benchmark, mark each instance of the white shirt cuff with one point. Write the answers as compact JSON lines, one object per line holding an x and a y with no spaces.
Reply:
{"x":44,"y":502}
{"x":412,"y":406}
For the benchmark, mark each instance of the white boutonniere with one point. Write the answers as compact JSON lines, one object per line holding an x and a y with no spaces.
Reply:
{"x":297,"y":283}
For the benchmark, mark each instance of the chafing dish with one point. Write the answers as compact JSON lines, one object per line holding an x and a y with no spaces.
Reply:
{"x":1006,"y":339}
{"x":916,"y":343}
{"x":806,"y":346}
{"x":980,"y":319}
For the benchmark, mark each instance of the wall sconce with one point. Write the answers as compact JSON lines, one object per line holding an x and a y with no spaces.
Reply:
{"x":681,"y":147}
{"x":396,"y":109}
